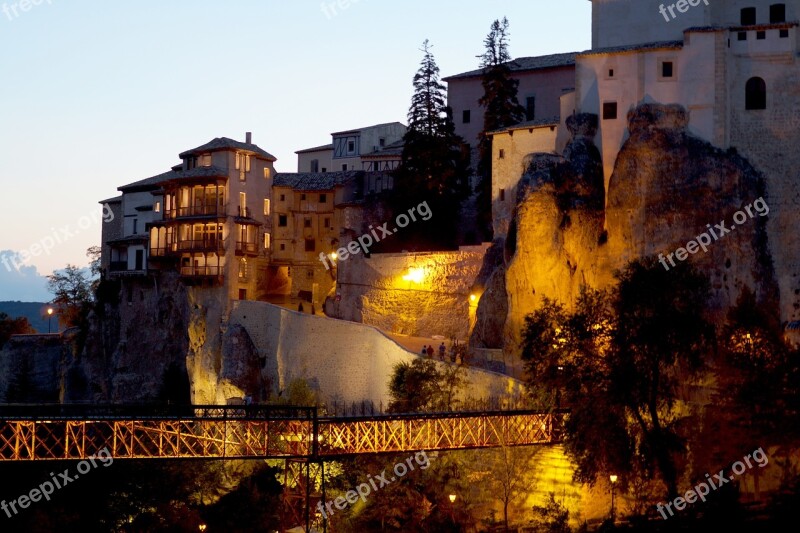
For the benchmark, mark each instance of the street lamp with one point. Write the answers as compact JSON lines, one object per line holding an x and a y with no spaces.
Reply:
{"x":613,"y":478}
{"x":49,"y":318}
{"x":452,"y":498}
{"x":202,"y":527}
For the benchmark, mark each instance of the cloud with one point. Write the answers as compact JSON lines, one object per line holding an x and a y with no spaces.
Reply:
{"x":21,"y":282}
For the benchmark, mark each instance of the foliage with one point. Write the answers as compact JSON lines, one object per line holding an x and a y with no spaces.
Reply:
{"x":421,"y":386}
{"x":552,"y":517}
{"x":502,"y":109}
{"x":13,"y":326}
{"x":73,"y":295}
{"x":620,"y":360}
{"x":434,"y":167}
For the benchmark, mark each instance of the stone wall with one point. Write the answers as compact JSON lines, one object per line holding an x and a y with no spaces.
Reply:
{"x":346,"y":362}
{"x":372,"y":291}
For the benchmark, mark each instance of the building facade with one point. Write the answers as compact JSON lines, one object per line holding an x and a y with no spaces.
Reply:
{"x":348,"y":148}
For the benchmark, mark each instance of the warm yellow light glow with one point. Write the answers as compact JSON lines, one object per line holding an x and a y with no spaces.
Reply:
{"x":334,"y":256}
{"x":452,"y":498}
{"x":613,"y":478}
{"x":49,"y":310}
{"x":472,"y":297}
{"x":415,"y":274}
{"x":202,"y":527}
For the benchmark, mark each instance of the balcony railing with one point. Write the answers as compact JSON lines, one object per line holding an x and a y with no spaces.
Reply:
{"x":245,"y":212}
{"x":118,"y":266}
{"x":201,"y":245}
{"x":246,"y":247}
{"x":196,"y":211}
{"x":201,"y":271}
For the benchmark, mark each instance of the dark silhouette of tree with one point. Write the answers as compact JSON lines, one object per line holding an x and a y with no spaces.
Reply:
{"x":434,"y":167}
{"x":620,"y":360}
{"x":420,"y":386}
{"x":502,"y":109}
{"x":13,"y":326}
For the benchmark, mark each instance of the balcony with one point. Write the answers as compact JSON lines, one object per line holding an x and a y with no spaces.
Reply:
{"x":120,"y":268}
{"x":201,"y":271}
{"x":196,"y":211}
{"x":246,"y":248}
{"x":201,"y":245}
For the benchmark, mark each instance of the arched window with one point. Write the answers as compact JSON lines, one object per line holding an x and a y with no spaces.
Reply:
{"x":755,"y":94}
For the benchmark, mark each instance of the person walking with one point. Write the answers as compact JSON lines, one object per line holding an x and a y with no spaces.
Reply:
{"x":424,"y":349}
{"x":441,"y":351}
{"x":430,"y":350}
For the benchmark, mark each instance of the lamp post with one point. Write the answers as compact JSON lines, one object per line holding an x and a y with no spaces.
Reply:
{"x":613,"y":478}
{"x":49,"y":318}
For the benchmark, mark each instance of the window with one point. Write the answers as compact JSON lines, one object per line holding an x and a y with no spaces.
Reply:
{"x":755,"y":94}
{"x":609,"y":110}
{"x":303,"y":197}
{"x":324,"y":169}
{"x":283,"y":197}
{"x":465,"y":116}
{"x":314,"y":165}
{"x":310,"y":273}
{"x":328,"y":222}
{"x":530,"y":108}
{"x":157,"y":207}
{"x":381,"y":142}
{"x":311,"y":245}
{"x":502,"y":154}
{"x":351,"y":147}
{"x":242,"y":268}
{"x":267,"y":173}
{"x":344,"y":168}
{"x":283,"y":221}
{"x":777,"y":13}
{"x":742,"y":36}
{"x":243,"y":204}
{"x":761,"y":35}
{"x":748,"y":16}
{"x":243,"y":294}
{"x":611,"y":73}
{"x":266,"y":207}
{"x":666,"y":69}
{"x":502,"y":195}
{"x":266,"y":241}
{"x":323,"y":198}
{"x":306,"y":222}
{"x":784,"y":34}
{"x":135,"y":226}
{"x":283,"y":247}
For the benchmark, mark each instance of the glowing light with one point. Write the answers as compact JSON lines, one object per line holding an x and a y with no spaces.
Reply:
{"x":452,"y":498}
{"x":415,"y":274}
{"x":49,"y":310}
{"x":334,"y":256}
{"x":472,"y":297}
{"x":613,"y":478}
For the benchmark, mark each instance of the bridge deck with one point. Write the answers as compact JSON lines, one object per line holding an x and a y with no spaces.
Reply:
{"x":29,"y":433}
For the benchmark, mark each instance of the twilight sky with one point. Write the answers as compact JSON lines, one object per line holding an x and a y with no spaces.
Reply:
{"x":95,"y":94}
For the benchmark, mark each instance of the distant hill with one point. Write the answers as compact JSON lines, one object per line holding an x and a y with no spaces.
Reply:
{"x":33,"y":311}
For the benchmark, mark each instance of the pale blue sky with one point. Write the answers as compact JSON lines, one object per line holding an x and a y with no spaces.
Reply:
{"x":96,"y":94}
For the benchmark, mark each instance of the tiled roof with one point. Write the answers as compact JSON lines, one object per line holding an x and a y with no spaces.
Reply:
{"x":313,"y":181}
{"x":538,"y":123}
{"x":391,"y":149}
{"x":115,"y":200}
{"x":525,"y":64}
{"x":660,"y":45}
{"x":201,"y":172}
{"x":367,"y":127}
{"x":224,"y":143}
{"x":147,"y":183}
{"x":315,"y":149}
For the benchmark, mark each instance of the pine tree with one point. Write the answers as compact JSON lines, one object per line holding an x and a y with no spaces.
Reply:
{"x":501,"y":109}
{"x":434,"y":166}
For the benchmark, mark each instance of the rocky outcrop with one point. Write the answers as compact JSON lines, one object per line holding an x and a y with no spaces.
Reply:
{"x":667,"y":188}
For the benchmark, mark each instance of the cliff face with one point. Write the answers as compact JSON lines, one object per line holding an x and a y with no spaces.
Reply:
{"x":666,"y":189}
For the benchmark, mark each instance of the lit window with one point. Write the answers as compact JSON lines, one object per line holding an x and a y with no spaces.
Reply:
{"x":157,"y":207}
{"x":267,"y":173}
{"x":266,"y":241}
{"x":266,"y":206}
{"x":242,"y":268}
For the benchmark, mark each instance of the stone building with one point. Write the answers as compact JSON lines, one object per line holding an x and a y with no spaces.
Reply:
{"x":208,"y":219}
{"x":348,"y":148}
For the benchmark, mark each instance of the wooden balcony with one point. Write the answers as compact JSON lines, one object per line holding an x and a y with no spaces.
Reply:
{"x":246,"y":248}
{"x":204,"y":211}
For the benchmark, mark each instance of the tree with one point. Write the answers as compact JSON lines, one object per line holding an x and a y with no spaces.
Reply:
{"x":620,"y":359}
{"x":420,"y":386}
{"x":434,"y":166}
{"x":13,"y":326}
{"x":73,"y":295}
{"x":502,"y":109}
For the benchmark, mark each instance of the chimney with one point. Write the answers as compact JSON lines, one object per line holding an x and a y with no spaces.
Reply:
{"x":248,"y":137}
